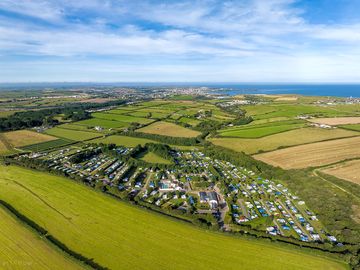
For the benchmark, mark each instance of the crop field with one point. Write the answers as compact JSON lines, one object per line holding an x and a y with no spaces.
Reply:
{"x":284,"y":139}
{"x":121,"y":118}
{"x":154,"y":158}
{"x":46,"y":145}
{"x":348,"y":171}
{"x":94,"y":122}
{"x":5,"y":148}
{"x":335,"y":121}
{"x":292,"y":110}
{"x":169,"y":129}
{"x":261,"y":130}
{"x":74,"y":135}
{"x":21,"y":248}
{"x":314,"y":154}
{"x":21,"y":138}
{"x":119,"y":235}
{"x":352,"y":127}
{"x":191,"y":121}
{"x":123,"y":140}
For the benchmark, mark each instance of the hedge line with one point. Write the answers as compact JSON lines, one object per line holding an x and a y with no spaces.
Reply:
{"x":43,"y":232}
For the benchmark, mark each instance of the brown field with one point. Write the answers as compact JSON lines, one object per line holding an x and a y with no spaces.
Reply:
{"x":287,"y":99}
{"x":349,"y":171}
{"x":314,"y":154}
{"x":334,"y":121}
{"x":283,"y":139}
{"x":169,"y":129}
{"x":21,"y":138}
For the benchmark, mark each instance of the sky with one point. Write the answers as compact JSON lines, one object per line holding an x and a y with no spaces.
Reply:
{"x":180,"y":41}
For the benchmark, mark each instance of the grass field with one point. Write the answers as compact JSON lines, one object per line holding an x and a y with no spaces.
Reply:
{"x":121,"y":236}
{"x":169,"y":129}
{"x":334,"y":121}
{"x":21,"y":248}
{"x":352,"y":127}
{"x":21,"y":138}
{"x":284,"y":139}
{"x":123,"y":140}
{"x":154,"y":158}
{"x":74,"y":135}
{"x":314,"y":154}
{"x":121,"y":118}
{"x":93,"y":122}
{"x":348,"y":171}
{"x":46,"y":145}
{"x":261,"y":130}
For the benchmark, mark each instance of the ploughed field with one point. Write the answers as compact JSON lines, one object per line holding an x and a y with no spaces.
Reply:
{"x":313,"y":155}
{"x":22,"y":248}
{"x":121,"y":236}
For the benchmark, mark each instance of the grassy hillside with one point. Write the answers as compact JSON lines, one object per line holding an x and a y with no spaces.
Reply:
{"x":118,"y":235}
{"x":21,"y":248}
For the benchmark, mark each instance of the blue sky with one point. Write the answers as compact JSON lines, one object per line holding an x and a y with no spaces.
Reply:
{"x":179,"y":41}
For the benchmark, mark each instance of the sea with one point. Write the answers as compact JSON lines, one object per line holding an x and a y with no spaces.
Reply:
{"x":336,"y":90}
{"x":325,"y":89}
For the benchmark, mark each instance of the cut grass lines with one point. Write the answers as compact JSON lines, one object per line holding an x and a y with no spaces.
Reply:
{"x":280,"y":140}
{"x":313,"y":155}
{"x":21,"y":138}
{"x":117,"y":234}
{"x":74,"y":135}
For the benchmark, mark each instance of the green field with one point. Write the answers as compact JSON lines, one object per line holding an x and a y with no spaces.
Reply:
{"x":355,"y":127}
{"x":123,"y":140}
{"x":169,"y":129}
{"x":22,"y":248}
{"x":93,"y":122}
{"x":154,"y":158}
{"x":47,"y":145}
{"x":261,"y":130}
{"x":75,"y":135}
{"x":283,"y":139}
{"x":121,"y":118}
{"x":265,"y":111}
{"x":121,"y":236}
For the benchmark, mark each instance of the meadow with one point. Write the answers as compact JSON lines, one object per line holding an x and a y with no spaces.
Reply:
{"x":123,"y":140}
{"x":169,"y":129}
{"x":119,"y":235}
{"x":94,"y":122}
{"x":46,"y":145}
{"x":121,"y":118}
{"x":281,"y":140}
{"x":154,"y":158}
{"x":74,"y":135}
{"x":261,"y":130}
{"x":351,"y":127}
{"x":348,"y":171}
{"x":314,"y":154}
{"x":22,"y":248}
{"x":22,"y":138}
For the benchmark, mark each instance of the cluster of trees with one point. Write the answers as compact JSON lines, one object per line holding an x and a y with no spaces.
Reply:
{"x":29,"y":119}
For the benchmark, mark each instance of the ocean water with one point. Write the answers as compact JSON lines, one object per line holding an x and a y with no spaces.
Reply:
{"x":339,"y":90}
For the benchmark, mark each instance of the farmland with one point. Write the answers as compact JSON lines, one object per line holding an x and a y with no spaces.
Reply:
{"x":154,"y":158}
{"x":75,"y":135}
{"x":169,"y":129}
{"x":62,"y":207}
{"x":26,"y":137}
{"x":284,"y":139}
{"x":352,"y":127}
{"x":337,"y":121}
{"x":21,"y":248}
{"x":46,"y":145}
{"x":261,"y":130}
{"x":103,"y":123}
{"x":122,"y":140}
{"x":121,"y":118}
{"x":314,"y":154}
{"x":348,"y":171}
